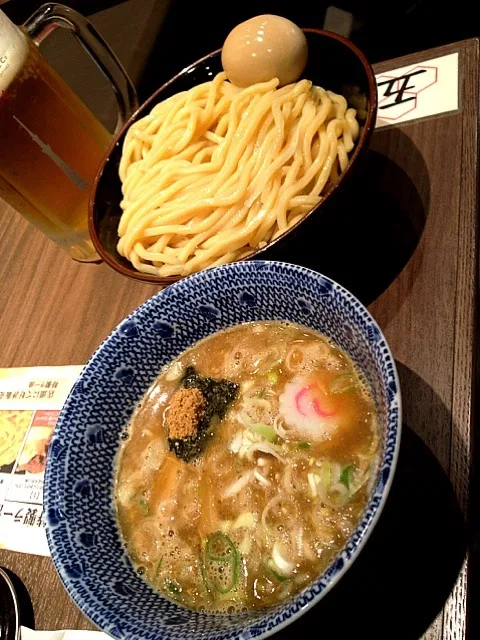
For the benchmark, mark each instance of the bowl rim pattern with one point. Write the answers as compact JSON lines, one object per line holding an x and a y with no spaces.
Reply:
{"x":371,"y":513}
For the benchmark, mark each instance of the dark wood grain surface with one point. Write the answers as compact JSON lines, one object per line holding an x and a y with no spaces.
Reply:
{"x":408,"y":249}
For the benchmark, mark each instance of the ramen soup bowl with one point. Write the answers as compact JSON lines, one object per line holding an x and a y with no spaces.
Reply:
{"x":82,"y":527}
{"x":333,"y":63}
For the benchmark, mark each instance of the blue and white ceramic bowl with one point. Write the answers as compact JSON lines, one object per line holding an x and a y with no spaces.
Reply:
{"x":82,"y":530}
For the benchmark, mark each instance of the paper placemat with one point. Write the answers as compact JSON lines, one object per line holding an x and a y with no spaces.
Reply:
{"x":30,"y":403}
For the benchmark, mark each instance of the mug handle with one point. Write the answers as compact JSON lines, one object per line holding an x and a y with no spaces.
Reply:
{"x":51,"y":16}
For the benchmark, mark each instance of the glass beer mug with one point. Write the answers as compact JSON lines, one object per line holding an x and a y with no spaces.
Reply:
{"x":50,"y":143}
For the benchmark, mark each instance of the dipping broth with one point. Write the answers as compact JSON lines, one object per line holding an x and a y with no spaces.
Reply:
{"x":246,"y":467}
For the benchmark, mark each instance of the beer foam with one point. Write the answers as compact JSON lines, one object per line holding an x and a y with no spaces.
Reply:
{"x":13,"y":51}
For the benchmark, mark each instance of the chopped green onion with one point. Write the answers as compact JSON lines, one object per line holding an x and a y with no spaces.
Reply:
{"x":272,"y":376}
{"x":203,"y":575}
{"x":245,"y":519}
{"x":303,"y":445}
{"x":174,"y":589}
{"x":326,"y":475}
{"x":346,"y":474}
{"x":245,"y":545}
{"x":220,"y":548}
{"x":159,"y":568}
{"x":219,"y":569}
{"x":265,"y":431}
{"x":312,"y":481}
{"x":225,"y":526}
{"x":143,"y":504}
{"x":343,"y":383}
{"x":272,"y":566}
{"x":231,"y":585}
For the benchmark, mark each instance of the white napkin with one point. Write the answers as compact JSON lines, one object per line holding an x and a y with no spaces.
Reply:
{"x":30,"y":634}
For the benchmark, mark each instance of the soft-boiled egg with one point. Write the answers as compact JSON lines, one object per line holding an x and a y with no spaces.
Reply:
{"x":263,"y":48}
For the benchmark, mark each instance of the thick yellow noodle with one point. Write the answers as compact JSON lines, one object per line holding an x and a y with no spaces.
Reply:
{"x":213,"y":173}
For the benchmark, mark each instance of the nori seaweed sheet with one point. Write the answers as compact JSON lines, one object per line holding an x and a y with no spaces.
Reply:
{"x":219,"y":394}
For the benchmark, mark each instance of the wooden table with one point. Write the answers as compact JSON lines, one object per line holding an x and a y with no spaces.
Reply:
{"x":408,"y":248}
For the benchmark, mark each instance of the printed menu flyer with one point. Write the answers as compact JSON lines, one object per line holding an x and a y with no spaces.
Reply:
{"x":30,"y":403}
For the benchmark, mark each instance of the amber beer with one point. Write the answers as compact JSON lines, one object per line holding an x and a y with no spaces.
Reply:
{"x":50,"y":144}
